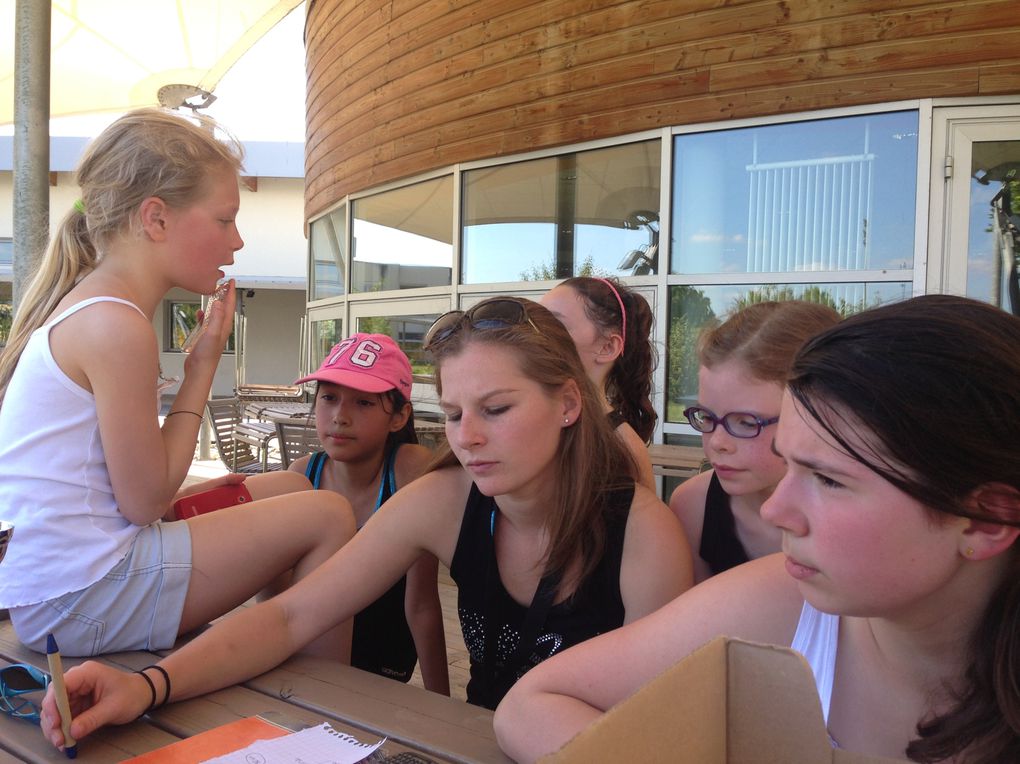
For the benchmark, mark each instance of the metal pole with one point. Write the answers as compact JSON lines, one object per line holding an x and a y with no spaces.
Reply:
{"x":31,"y":140}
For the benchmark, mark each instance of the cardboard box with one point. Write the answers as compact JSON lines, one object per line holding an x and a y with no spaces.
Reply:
{"x":730,"y":702}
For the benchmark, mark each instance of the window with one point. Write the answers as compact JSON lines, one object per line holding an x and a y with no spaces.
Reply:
{"x":328,"y":244}
{"x":691,"y":307}
{"x":325,"y":334}
{"x":821,"y":210}
{"x":182,"y":317}
{"x":6,"y":316}
{"x":823,"y":195}
{"x":6,"y":251}
{"x":409,"y":333}
{"x":403,"y":239}
{"x":587,"y":213}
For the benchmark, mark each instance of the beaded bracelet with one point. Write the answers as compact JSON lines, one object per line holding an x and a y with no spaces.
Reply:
{"x":185,"y":411}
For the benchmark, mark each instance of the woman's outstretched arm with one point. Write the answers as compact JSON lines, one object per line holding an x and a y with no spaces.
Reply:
{"x":560,"y":697}
{"x":422,"y":517}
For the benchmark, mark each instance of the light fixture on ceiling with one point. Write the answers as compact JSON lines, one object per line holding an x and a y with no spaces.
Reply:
{"x":176,"y":96}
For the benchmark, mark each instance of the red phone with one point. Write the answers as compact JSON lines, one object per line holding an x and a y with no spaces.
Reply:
{"x":211,"y":500}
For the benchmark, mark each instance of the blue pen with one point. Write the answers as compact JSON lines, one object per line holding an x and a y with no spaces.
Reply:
{"x":60,"y":693}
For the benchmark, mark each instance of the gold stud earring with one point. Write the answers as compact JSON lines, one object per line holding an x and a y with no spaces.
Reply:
{"x":968,"y":551}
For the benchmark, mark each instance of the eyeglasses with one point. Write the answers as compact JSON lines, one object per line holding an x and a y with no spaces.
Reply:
{"x":16,"y":681}
{"x":498,"y":313}
{"x":739,"y":424}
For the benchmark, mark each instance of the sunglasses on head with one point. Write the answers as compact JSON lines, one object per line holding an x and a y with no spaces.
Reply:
{"x":499,"y":313}
{"x":17,"y":681}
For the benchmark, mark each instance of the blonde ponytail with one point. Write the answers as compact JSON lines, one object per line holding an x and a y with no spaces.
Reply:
{"x":69,"y":257}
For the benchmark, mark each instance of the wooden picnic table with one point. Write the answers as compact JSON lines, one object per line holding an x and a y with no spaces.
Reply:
{"x":430,"y":432}
{"x":303,"y":691}
{"x":676,"y":461}
{"x":291,"y":412}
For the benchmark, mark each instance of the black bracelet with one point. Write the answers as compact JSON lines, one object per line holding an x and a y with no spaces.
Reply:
{"x":152,"y":689}
{"x":184,"y":411}
{"x":166,"y":678}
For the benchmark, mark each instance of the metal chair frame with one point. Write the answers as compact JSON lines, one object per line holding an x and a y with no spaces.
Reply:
{"x":242,"y":446}
{"x":296,"y":440}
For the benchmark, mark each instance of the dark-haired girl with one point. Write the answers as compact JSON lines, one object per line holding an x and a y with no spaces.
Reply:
{"x":899,"y":514}
{"x":611,"y":326}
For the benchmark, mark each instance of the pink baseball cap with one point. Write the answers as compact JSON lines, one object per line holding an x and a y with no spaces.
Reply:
{"x":373,"y":363}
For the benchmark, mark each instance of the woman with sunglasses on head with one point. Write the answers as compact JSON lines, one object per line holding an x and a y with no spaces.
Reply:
{"x":611,"y":326}
{"x":744,"y":362}
{"x":534,"y":509}
{"x":899,"y":513}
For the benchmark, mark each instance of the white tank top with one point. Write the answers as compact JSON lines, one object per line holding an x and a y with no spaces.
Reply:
{"x":816,"y":639}
{"x":54,"y":483}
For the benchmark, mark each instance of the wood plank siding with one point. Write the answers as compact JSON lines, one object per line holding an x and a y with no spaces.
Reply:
{"x":401,"y":87}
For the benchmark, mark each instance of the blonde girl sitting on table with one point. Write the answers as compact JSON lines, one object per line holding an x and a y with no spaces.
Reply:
{"x":744,"y":363}
{"x":535,"y":511}
{"x":611,"y":326}
{"x":86,"y":470}
{"x":899,"y":515}
{"x":365,"y":423}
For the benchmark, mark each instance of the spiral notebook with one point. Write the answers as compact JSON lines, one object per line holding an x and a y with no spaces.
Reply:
{"x":321,"y":744}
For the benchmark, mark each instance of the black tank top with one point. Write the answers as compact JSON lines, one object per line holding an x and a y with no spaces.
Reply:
{"x":382,"y":641}
{"x":595,"y":608}
{"x":720,"y":546}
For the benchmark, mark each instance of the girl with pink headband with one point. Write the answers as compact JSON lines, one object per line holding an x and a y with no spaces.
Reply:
{"x":611,"y":327}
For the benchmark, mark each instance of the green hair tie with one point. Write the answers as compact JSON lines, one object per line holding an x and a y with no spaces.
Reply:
{"x":79,"y":205}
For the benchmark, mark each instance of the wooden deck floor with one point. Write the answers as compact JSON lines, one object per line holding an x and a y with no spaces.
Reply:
{"x":456,"y":654}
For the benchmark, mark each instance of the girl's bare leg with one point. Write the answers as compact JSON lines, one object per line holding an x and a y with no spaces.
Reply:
{"x":237,"y":551}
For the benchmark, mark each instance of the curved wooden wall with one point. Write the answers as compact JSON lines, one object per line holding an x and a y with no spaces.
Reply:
{"x":400,"y":87}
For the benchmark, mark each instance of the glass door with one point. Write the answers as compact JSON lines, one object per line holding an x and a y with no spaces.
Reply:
{"x":406,"y":321}
{"x":975,"y":236}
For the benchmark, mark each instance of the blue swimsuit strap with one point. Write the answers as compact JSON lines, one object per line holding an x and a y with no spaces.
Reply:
{"x":387,"y":485}
{"x":389,"y":477}
{"x":315,"y":466}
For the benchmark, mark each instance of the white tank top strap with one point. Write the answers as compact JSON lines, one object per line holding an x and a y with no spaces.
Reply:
{"x":85,"y":303}
{"x":816,"y":639}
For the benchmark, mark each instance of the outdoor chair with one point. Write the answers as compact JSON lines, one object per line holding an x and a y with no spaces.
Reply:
{"x":242,"y":446}
{"x":279,"y":393}
{"x":296,"y":440}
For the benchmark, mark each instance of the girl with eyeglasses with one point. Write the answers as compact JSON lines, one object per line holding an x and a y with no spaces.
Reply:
{"x":899,"y":521}
{"x":744,"y":362}
{"x":533,"y":508}
{"x":611,"y":326}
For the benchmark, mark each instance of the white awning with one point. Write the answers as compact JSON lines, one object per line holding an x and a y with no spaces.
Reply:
{"x":115,"y":55}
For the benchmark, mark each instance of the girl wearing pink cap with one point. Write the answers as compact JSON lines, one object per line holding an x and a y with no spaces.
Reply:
{"x":365,"y":423}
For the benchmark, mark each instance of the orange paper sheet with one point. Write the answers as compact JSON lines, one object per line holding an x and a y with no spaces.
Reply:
{"x":214,"y":742}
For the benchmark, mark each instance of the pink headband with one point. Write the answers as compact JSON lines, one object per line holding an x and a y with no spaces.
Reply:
{"x":623,"y":311}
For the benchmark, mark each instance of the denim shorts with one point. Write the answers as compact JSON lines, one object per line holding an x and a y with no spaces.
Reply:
{"x":136,"y":606}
